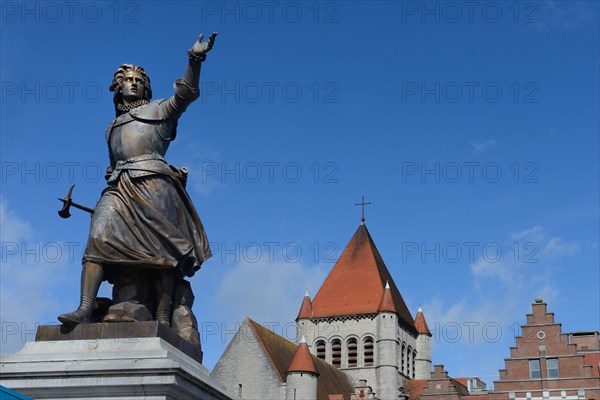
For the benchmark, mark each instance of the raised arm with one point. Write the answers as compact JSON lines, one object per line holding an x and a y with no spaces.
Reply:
{"x":187,"y":89}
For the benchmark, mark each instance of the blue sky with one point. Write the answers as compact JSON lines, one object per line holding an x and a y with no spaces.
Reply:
{"x":473,"y":131}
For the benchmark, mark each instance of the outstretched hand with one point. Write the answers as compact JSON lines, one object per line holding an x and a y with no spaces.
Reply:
{"x":200,"y":47}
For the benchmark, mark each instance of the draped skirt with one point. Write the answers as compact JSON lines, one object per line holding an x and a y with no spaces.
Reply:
{"x":147,"y":222}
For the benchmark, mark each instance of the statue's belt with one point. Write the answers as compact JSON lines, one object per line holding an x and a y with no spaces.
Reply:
{"x":145,"y":165}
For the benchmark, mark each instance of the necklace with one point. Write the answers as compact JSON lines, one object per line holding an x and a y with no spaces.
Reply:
{"x":125,"y":108}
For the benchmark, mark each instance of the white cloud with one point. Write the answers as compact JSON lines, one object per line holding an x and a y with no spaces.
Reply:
{"x":32,"y":274}
{"x":482,"y":146}
{"x":535,"y":233}
{"x":12,"y":228}
{"x":270,"y":293}
{"x":558,"y":16}
{"x":557,"y":246}
{"x":266,"y":291}
{"x":483,"y":268}
{"x":526,"y":255}
{"x":498,"y":296}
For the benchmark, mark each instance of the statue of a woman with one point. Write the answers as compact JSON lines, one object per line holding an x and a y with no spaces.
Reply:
{"x":144,"y":218}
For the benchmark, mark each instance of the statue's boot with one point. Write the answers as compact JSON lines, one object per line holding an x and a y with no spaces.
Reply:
{"x":164,"y":316}
{"x":81,"y":315}
{"x":91,"y":277}
{"x":165,"y":288}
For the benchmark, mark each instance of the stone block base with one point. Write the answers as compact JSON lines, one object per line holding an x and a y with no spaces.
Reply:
{"x":118,"y":331}
{"x":108,"y":368}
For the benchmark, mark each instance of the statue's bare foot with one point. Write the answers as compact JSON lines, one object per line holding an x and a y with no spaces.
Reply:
{"x":76,"y":317}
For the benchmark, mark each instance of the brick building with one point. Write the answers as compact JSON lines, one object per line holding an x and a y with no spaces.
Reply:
{"x":545,"y":364}
{"x":439,"y":387}
{"x":443,"y":387}
{"x":549,"y":364}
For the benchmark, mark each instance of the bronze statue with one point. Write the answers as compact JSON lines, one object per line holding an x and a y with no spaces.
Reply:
{"x":145,"y":235}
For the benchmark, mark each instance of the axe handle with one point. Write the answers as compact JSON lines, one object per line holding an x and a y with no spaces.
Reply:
{"x":84,"y":208}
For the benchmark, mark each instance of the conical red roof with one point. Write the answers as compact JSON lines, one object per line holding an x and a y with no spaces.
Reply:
{"x":421,"y":324}
{"x":302,"y":361}
{"x":305,"y":308}
{"x":355,"y":285}
{"x":387,"y":302}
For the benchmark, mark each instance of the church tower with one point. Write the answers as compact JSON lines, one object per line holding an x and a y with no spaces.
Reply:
{"x":423,"y":357}
{"x":359,"y":322}
{"x":303,"y":320}
{"x":301,"y":376}
{"x":387,"y":347}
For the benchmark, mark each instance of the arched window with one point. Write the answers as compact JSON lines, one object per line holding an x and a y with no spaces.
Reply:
{"x":321,"y":349}
{"x":336,"y":353}
{"x":403,"y":356}
{"x":414,"y":357}
{"x":409,"y":361}
{"x":352,"y":346}
{"x":399,"y":354}
{"x":368,"y":347}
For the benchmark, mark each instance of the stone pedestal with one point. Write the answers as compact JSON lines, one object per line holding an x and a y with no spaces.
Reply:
{"x":109,"y":361}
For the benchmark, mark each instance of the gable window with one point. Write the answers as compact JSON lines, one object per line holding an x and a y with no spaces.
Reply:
{"x":321,"y":349}
{"x":352,"y":353}
{"x":368,"y":346}
{"x":552,"y":364}
{"x":534,"y":369}
{"x":336,"y":353}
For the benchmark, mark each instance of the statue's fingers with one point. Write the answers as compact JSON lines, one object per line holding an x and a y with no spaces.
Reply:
{"x":200,"y":37}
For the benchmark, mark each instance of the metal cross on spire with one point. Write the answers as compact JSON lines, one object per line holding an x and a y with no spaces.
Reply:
{"x":363,"y":204}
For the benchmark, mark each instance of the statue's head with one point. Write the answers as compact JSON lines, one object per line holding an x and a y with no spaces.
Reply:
{"x":130,"y":83}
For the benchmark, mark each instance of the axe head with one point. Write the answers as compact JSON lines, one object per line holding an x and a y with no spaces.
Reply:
{"x":65,"y":210}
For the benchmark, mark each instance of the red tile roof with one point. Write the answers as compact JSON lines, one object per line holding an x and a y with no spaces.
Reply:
{"x":463,"y":385}
{"x":421,"y":324}
{"x":355,"y":285}
{"x":306,"y":310}
{"x":302,"y":361}
{"x":415,"y":388}
{"x":462,"y":381}
{"x":281,"y":353}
